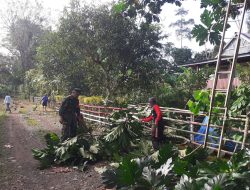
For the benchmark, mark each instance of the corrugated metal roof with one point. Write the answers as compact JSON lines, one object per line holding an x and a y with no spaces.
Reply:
{"x":244,"y":36}
{"x":241,"y":59}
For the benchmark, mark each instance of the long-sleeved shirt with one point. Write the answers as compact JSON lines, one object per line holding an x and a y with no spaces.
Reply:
{"x":156,"y":115}
{"x":7,"y":100}
{"x":70,"y":105}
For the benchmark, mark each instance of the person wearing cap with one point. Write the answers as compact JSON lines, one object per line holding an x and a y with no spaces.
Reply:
{"x":69,"y":113}
{"x":157,"y":128}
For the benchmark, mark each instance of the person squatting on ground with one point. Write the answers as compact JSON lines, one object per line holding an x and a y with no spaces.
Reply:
{"x":157,"y":128}
{"x":44,"y":101}
{"x":69,"y":113}
{"x":7,"y":102}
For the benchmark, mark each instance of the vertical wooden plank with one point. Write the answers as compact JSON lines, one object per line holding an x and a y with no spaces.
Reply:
{"x":99,"y":110}
{"x":235,"y":57}
{"x":216,"y":72}
{"x":245,"y":132}
{"x":191,"y":128}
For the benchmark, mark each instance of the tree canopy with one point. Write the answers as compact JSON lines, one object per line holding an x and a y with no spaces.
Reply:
{"x":108,"y":50}
{"x":113,"y":50}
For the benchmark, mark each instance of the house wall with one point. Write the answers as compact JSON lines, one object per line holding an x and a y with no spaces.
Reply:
{"x":222,"y":78}
{"x":222,"y":83}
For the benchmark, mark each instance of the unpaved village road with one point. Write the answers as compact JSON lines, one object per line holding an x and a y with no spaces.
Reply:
{"x":22,"y":131}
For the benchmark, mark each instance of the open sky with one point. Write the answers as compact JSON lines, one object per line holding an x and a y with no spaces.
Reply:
{"x":167,"y":16}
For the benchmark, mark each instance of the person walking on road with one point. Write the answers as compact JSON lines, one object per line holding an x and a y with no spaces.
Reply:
{"x":7,"y":102}
{"x":69,"y":113}
{"x":44,"y":101}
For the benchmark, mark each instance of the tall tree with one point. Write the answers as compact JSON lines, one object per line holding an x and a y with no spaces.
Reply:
{"x":182,"y":25}
{"x":211,"y":18}
{"x":24,"y":24}
{"x":181,"y":56}
{"x":102,"y":49}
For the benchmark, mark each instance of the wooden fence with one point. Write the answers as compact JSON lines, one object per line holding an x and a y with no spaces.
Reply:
{"x":182,"y":122}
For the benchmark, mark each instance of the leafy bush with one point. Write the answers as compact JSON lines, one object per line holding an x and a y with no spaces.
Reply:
{"x":178,"y":89}
{"x":124,"y":135}
{"x":145,"y":173}
{"x":120,"y":102}
{"x":47,"y":155}
{"x":244,"y":73}
{"x":4,"y":90}
{"x":191,"y":172}
{"x":59,"y":98}
{"x":220,"y":174}
{"x":202,"y":101}
{"x":81,"y":99}
{"x":74,"y":151}
{"x":242,"y":100}
{"x":95,"y":100}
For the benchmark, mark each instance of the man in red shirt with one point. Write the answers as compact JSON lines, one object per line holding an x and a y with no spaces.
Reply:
{"x":157,"y":128}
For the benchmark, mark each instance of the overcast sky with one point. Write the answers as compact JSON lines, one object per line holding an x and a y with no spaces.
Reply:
{"x":167,"y":16}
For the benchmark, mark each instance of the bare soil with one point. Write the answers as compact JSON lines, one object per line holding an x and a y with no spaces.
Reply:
{"x":18,"y":169}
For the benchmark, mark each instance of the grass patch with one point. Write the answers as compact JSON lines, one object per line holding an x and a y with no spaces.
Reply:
{"x":34,"y":107}
{"x":23,"y":111}
{"x":3,"y":117}
{"x":32,"y":122}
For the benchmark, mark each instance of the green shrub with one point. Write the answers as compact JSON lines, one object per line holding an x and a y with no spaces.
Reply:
{"x":81,"y":99}
{"x":59,"y":98}
{"x":168,"y":171}
{"x":75,"y":151}
{"x":95,"y":100}
{"x":121,"y":102}
{"x":4,"y":90}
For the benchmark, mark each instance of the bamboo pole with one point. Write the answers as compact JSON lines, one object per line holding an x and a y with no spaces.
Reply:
{"x":216,"y":71}
{"x":196,"y":133}
{"x":229,"y":87}
{"x":200,"y":124}
{"x":216,"y":149}
{"x":192,"y":127}
{"x":245,"y":132}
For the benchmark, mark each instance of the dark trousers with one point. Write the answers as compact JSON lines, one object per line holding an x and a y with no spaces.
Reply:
{"x":8,"y":107}
{"x":69,"y":126}
{"x":156,"y":142}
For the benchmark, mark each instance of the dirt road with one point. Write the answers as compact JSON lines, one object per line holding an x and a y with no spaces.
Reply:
{"x":18,"y":170}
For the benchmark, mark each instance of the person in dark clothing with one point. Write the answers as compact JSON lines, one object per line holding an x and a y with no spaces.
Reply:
{"x":69,"y":113}
{"x":44,"y":101}
{"x":157,"y":128}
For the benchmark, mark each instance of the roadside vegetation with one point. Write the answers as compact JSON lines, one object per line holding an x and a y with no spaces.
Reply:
{"x":133,"y":164}
{"x":118,"y":54}
{"x":3,"y":117}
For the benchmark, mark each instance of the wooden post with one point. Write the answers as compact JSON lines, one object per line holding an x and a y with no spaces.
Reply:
{"x":99,"y":116}
{"x":216,"y":73}
{"x":245,"y":132}
{"x":191,"y":128}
